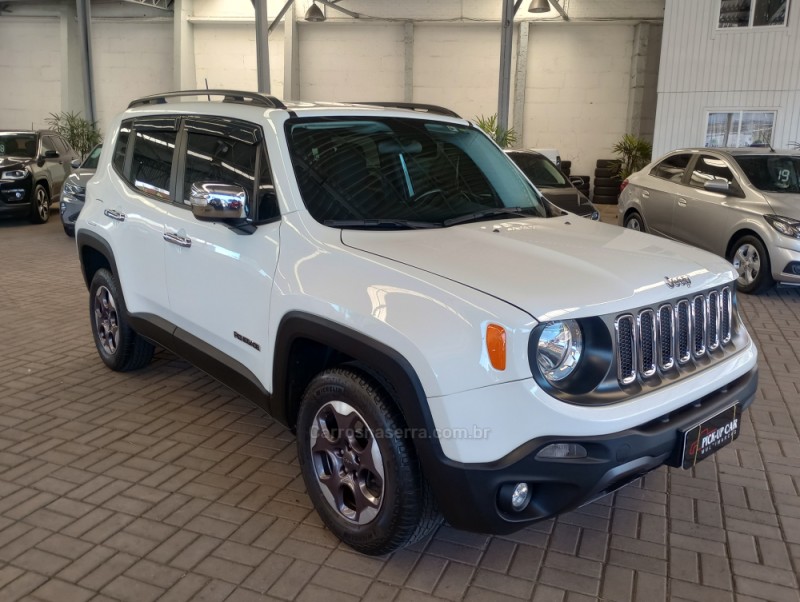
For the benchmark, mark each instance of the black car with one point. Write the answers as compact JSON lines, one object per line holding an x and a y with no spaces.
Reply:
{"x":552,"y":183}
{"x":33,"y":167}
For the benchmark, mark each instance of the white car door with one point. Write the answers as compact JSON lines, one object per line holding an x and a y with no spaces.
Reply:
{"x":135,"y":195}
{"x":220,"y":276}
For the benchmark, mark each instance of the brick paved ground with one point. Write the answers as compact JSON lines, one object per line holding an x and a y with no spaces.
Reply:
{"x":163,"y":485}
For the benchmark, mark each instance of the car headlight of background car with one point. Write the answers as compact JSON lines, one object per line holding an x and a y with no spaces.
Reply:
{"x":72,"y":190}
{"x":14,"y":174}
{"x":785,"y":225}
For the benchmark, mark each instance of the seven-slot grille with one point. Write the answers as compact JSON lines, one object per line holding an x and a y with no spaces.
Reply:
{"x":674,"y":333}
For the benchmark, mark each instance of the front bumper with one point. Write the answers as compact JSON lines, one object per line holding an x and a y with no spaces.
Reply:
{"x":69,"y":209}
{"x":785,"y":259}
{"x":471,"y":496}
{"x":15,"y":197}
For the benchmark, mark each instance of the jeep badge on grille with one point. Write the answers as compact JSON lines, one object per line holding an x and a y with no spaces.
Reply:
{"x":678,"y":281}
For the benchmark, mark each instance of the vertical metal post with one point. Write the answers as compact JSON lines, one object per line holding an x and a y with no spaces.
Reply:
{"x":85,"y":33}
{"x":506,"y":38}
{"x":262,"y":46}
{"x":408,"y":66}
{"x":291,"y":54}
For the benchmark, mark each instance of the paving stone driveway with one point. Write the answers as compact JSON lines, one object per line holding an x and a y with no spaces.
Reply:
{"x":163,"y":485}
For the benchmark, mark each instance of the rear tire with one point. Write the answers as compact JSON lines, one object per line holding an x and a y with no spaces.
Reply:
{"x":360,"y":470}
{"x":751,"y":260}
{"x":119,"y":346}
{"x":40,"y":205}
{"x":634,"y":221}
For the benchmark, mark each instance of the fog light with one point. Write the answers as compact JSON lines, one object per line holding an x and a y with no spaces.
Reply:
{"x":519,"y":498}
{"x":562,"y":451}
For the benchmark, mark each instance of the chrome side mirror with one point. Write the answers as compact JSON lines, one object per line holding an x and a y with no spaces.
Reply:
{"x":76,"y":163}
{"x":215,"y":201}
{"x":576,"y":181}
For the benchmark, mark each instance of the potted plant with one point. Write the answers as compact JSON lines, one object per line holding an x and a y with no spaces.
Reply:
{"x":634,"y":154}
{"x":81,"y":134}
{"x":503,"y":137}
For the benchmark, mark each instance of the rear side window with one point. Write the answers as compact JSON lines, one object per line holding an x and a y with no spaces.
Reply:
{"x":672,"y":168}
{"x":121,"y":148}
{"x":710,"y":168}
{"x":61,"y":146}
{"x":151,"y":164}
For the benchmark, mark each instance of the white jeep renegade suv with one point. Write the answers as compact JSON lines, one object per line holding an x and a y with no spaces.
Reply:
{"x":384,"y":281}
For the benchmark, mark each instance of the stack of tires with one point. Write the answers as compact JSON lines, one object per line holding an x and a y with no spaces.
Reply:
{"x":606,"y":182}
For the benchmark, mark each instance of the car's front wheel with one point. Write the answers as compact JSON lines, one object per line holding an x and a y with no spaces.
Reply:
{"x":119,"y":346}
{"x":359,"y":465}
{"x":751,"y":261}
{"x":40,"y":207}
{"x":633,"y":221}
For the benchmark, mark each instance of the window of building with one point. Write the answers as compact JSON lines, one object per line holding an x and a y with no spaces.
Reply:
{"x":740,"y":128}
{"x":752,"y":13}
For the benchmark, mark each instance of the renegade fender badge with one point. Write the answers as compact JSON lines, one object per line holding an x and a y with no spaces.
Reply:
{"x":678,"y":281}
{"x":247,"y":341}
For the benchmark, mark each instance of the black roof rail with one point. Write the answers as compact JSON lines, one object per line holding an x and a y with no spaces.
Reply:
{"x":252,"y":98}
{"x":414,"y":106}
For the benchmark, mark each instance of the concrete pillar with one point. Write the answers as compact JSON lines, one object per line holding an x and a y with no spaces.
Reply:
{"x":291,"y":55}
{"x":262,"y":46}
{"x":184,"y":75}
{"x":638,"y":78}
{"x":520,"y":82}
{"x":506,"y":41}
{"x":84,"y":8}
{"x":408,"y":63}
{"x":72,"y":93}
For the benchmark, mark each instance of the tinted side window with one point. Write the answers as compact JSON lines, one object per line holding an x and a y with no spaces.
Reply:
{"x":709,"y":168}
{"x":672,"y":168}
{"x":48,"y":144}
{"x":152,"y":162}
{"x":267,"y":200}
{"x":60,"y":145}
{"x":219,"y":159}
{"x":121,"y":148}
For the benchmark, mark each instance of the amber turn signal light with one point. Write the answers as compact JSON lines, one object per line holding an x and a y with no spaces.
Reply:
{"x":496,"y":346}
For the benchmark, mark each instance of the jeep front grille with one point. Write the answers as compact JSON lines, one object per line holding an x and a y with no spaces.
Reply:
{"x":659,"y":339}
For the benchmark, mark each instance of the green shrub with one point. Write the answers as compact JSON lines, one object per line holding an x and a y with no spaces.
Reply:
{"x":80,"y":133}
{"x":503,"y":137}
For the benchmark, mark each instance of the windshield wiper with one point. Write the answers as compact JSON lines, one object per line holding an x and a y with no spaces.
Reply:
{"x":479,"y":215}
{"x":379,"y":222}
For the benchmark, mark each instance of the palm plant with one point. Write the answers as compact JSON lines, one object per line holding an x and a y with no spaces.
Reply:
{"x":504,"y":137}
{"x":634,"y":154}
{"x":81,"y":134}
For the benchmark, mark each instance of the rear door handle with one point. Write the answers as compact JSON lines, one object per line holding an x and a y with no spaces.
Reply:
{"x":113,"y":214}
{"x":177,"y":239}
{"x":681,"y":202}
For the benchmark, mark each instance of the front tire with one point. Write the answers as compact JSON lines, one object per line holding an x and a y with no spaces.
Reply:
{"x":359,"y":465}
{"x":40,"y":207}
{"x":634,"y":221}
{"x":119,"y":346}
{"x":751,"y":260}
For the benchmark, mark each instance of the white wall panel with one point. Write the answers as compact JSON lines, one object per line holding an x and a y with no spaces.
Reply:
{"x":131,"y":59}
{"x":704,"y":69}
{"x":30,"y":71}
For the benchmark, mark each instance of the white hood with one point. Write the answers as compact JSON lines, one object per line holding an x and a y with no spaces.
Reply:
{"x":552,"y":268}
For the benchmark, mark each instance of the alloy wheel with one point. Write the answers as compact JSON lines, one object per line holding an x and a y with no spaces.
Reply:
{"x":106,"y":320}
{"x":42,"y":204}
{"x":347,"y":462}
{"x":747,"y":262}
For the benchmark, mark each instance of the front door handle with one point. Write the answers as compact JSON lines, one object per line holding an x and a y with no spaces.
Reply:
{"x":113,"y":214}
{"x":681,"y":202}
{"x":645,"y":194}
{"x":177,"y":239}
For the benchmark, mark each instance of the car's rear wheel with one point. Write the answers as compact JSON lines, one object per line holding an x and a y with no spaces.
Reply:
{"x":359,"y":464}
{"x":633,"y":221}
{"x":119,"y":346}
{"x":40,"y":207}
{"x":751,"y":261}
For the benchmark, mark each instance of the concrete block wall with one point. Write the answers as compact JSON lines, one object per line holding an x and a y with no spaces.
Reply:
{"x":129,"y":62}
{"x":225,"y":56}
{"x":30,"y":71}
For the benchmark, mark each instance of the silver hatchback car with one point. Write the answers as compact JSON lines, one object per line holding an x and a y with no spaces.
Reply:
{"x":741,"y":203}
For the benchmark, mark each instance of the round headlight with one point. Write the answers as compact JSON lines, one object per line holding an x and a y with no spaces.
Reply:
{"x":559,"y":349}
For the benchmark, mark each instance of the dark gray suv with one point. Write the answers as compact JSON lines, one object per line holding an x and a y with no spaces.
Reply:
{"x":33,"y":167}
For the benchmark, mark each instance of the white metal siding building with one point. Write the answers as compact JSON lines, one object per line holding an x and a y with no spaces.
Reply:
{"x":712,"y":73}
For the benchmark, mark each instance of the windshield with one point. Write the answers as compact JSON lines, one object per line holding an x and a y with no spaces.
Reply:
{"x":17,"y":145}
{"x":540,"y":170}
{"x":772,"y":173}
{"x":91,"y":160}
{"x":403,"y":173}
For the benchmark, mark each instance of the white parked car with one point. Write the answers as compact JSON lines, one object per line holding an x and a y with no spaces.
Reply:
{"x":387,"y":283}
